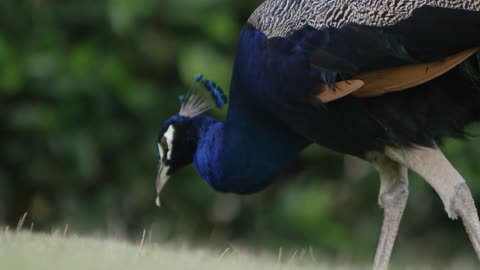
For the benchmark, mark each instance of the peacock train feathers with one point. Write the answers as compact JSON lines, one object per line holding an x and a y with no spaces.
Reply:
{"x":471,"y":70}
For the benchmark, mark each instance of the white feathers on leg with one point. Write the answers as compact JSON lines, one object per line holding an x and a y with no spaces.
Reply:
{"x":433,"y":166}
{"x":393,"y":199}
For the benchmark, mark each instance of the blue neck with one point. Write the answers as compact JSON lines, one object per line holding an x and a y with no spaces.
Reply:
{"x":247,"y":152}
{"x":245,"y":157}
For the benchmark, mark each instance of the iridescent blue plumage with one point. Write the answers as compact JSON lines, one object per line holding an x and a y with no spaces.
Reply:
{"x":273,"y":114}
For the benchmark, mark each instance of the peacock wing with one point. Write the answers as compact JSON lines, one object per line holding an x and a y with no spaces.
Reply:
{"x":368,"y":48}
{"x":384,"y":81}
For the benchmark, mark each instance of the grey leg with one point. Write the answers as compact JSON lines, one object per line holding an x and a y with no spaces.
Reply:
{"x":463,"y":205}
{"x":393,"y":199}
{"x":432,"y":165}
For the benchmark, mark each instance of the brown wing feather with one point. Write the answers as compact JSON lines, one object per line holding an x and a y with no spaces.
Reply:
{"x":384,"y":81}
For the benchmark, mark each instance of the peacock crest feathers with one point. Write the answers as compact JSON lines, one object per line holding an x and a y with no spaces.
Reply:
{"x":197,"y":101}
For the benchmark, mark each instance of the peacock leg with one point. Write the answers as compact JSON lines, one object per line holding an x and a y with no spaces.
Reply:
{"x":463,"y":205}
{"x":434,"y":167}
{"x":393,"y":199}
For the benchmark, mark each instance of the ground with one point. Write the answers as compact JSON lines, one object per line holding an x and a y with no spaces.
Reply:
{"x":25,"y":251}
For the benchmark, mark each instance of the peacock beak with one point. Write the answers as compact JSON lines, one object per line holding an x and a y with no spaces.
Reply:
{"x":161,"y":180}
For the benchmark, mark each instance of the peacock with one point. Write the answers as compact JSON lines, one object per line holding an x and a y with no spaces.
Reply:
{"x":384,"y":80}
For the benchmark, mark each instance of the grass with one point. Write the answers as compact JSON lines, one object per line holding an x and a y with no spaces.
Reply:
{"x":25,"y":251}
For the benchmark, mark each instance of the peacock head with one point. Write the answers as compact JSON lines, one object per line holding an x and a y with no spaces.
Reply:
{"x":177,"y":140}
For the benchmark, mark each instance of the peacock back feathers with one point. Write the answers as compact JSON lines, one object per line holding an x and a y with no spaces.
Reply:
{"x":278,"y":18}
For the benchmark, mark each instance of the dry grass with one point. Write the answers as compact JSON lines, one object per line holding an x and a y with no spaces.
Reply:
{"x":25,"y":251}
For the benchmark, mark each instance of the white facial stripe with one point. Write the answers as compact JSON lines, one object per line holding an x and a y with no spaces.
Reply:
{"x":160,"y":151}
{"x":169,"y":137}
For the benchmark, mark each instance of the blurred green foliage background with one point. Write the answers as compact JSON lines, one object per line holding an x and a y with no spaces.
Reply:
{"x":85,"y":86}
